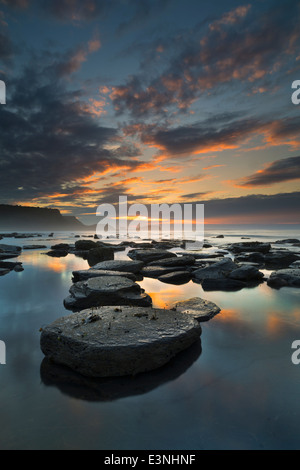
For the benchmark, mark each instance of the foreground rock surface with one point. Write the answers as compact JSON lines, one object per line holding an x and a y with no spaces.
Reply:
{"x":285,"y":278}
{"x":110,"y":343}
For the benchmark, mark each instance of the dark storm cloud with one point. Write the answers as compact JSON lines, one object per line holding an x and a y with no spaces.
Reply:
{"x":6,"y":47}
{"x":240,"y":47}
{"x":16,"y":3}
{"x":50,"y":140}
{"x":287,"y":169}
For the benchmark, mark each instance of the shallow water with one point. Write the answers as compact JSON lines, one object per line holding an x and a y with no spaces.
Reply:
{"x":237,"y":389}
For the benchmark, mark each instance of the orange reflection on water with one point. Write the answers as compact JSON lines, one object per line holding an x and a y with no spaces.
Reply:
{"x":229,"y":315}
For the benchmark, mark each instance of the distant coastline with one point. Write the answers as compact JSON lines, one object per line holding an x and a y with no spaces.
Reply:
{"x":37,"y":219}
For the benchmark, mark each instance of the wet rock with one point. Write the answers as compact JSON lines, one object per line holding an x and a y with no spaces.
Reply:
{"x":96,"y":255}
{"x":202,"y":310}
{"x":9,"y":251}
{"x":226,"y":285}
{"x":4,"y":271}
{"x":287,"y":241}
{"x":129,"y":342}
{"x":246,"y":273}
{"x":284,"y":278}
{"x":156,"y":271}
{"x":251,"y":258}
{"x":186,"y":260}
{"x":280,"y":259}
{"x":57,"y":254}
{"x":120,"y":265}
{"x":89,"y":273}
{"x":177,"y":278}
{"x":217,"y":270}
{"x":147,"y":256}
{"x":105,"y":290}
{"x":249,"y":247}
{"x":85,"y":245}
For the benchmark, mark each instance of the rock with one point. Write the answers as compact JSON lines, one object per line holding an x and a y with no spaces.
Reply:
{"x":96,"y":255}
{"x":287,"y":241}
{"x":10,"y":249}
{"x":246,"y":273}
{"x":202,"y":310}
{"x":187,"y":260}
{"x":89,"y":273}
{"x":220,"y":236}
{"x":61,"y":247}
{"x":227,"y":285}
{"x":284,"y":278}
{"x":128,"y":342}
{"x":18,"y":268}
{"x":295,"y":265}
{"x":249,"y":247}
{"x":34,"y":247}
{"x":4,"y":271}
{"x":105,"y":290}
{"x":120,"y":265}
{"x":85,"y":245}
{"x":178,"y":278}
{"x":156,"y":271}
{"x":280,"y":259}
{"x":147,"y":256}
{"x":251,"y":257}
{"x":57,"y":254}
{"x":216,"y":271}
{"x":201,"y":256}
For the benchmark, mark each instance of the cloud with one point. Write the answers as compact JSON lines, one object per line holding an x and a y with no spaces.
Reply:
{"x":280,"y":171}
{"x":18,"y":4}
{"x":242,"y":47}
{"x":49,"y":141}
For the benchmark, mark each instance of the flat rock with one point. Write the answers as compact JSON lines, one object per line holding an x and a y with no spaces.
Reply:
{"x":202,"y":310}
{"x":105,"y":290}
{"x":147,"y":256}
{"x":10,"y":249}
{"x":34,"y":247}
{"x":177,"y":277}
{"x":99,"y":254}
{"x":284,"y":278}
{"x":120,"y":265}
{"x":4,"y":271}
{"x":89,"y":273}
{"x":248,"y":247}
{"x":106,"y":343}
{"x":280,"y":259}
{"x":156,"y":271}
{"x":186,"y":260}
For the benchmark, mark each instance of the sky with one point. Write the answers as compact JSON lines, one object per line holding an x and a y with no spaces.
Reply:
{"x":162,"y":101}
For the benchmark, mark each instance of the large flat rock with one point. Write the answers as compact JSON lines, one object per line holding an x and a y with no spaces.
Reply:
{"x":285,"y":278}
{"x":110,"y":342}
{"x":148,"y":256}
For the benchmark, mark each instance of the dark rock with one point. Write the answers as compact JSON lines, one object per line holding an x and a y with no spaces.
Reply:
{"x":34,"y":247}
{"x":285,"y":278}
{"x":246,"y":273}
{"x":202,"y":310}
{"x":57,"y":254}
{"x":147,"y":256}
{"x":287,"y":241}
{"x":89,"y":273}
{"x":105,"y":290}
{"x":4,"y":271}
{"x":156,"y":271}
{"x":85,"y":245}
{"x":280,"y":259}
{"x":173,"y":262}
{"x":249,"y":247}
{"x":251,"y":257}
{"x":97,"y":255}
{"x":120,"y":265}
{"x":178,"y":278}
{"x":229,"y":285}
{"x":216,"y":271}
{"x":129,"y":342}
{"x":61,"y":247}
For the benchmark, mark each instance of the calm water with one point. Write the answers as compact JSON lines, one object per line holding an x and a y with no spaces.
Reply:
{"x":237,"y":389}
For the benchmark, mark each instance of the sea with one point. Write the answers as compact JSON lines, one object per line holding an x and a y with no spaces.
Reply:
{"x":236,"y":388}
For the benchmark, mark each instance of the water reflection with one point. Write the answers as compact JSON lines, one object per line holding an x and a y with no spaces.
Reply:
{"x":109,"y":389}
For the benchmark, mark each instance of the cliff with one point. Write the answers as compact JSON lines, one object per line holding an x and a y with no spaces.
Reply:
{"x":37,"y":219}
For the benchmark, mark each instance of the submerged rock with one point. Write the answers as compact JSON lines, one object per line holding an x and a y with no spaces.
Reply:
{"x":106,"y":290}
{"x":106,"y":343}
{"x":248,"y":247}
{"x":201,"y":309}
